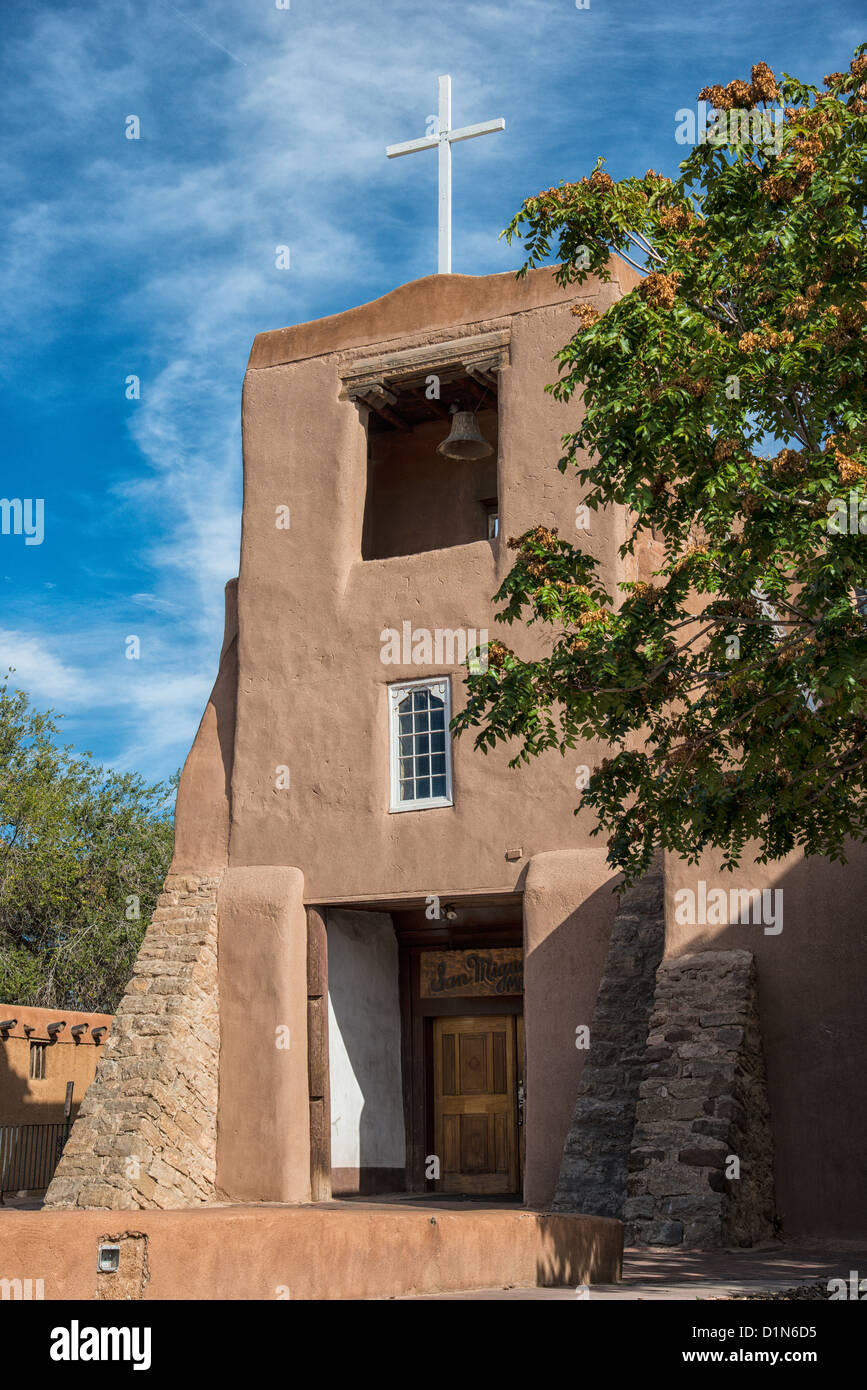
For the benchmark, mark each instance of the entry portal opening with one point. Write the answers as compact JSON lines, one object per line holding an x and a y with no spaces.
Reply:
{"x":463,"y":1041}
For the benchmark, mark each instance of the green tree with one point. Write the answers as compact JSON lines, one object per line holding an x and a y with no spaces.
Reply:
{"x":82,"y":851}
{"x":724,"y":407}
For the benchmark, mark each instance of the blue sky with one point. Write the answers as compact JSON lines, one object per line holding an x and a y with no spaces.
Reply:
{"x":155,"y":257}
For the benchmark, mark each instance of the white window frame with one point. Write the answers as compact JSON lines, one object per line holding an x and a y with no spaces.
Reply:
{"x":440,"y":686}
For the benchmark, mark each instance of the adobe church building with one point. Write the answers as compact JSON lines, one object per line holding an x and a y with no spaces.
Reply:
{"x":386,"y":963}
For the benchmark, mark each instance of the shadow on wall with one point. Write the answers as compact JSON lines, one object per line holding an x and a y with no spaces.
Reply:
{"x":578,"y":1251}
{"x":367,"y":1130}
{"x":27,"y":1157}
{"x":19,"y":1096}
{"x":812,"y":982}
{"x":561,"y":981}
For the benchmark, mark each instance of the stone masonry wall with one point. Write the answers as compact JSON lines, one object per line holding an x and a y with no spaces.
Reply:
{"x":703,"y":1101}
{"x":146,"y":1134}
{"x":594,"y":1171}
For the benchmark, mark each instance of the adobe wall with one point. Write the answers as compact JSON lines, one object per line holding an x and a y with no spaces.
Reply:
{"x":203,"y":806}
{"x":26,"y":1100}
{"x":812,"y":982}
{"x":314,"y":691}
{"x":263,"y":1122}
{"x":301,"y":1253}
{"x":569,"y":909}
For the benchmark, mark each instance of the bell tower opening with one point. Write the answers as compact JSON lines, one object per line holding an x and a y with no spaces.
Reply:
{"x":418,"y":498}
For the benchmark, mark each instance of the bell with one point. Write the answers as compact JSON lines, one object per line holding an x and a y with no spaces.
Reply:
{"x":466,"y":440}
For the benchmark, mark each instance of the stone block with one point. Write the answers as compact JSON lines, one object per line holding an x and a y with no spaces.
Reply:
{"x":168,"y":1015}
{"x":664,"y":1233}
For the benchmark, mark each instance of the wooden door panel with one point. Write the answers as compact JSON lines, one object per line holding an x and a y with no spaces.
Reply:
{"x":522,"y":1097}
{"x":473,"y":1079}
{"x":476,"y":1156}
{"x":451,"y":1143}
{"x":475,"y":1111}
{"x":499,"y":1064}
{"x":449,"y":1072}
{"x":501,"y":1143}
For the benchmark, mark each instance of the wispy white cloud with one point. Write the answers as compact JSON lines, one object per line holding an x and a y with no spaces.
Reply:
{"x":262,"y":126}
{"x":39,"y":670}
{"x":146,"y":698}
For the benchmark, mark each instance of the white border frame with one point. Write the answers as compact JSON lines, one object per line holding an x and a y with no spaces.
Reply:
{"x":441,"y":687}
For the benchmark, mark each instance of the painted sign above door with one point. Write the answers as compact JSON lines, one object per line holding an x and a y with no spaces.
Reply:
{"x":458,"y":974}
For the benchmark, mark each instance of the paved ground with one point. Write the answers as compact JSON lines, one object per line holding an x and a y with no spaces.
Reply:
{"x":666,"y":1276}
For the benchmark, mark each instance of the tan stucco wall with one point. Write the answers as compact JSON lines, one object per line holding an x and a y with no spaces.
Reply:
{"x":313,"y":690}
{"x":263,"y":1122}
{"x":26,"y":1101}
{"x":340,"y":1251}
{"x":203,"y":808}
{"x":569,"y":906}
{"x":812,"y":981}
{"x":429,"y":305}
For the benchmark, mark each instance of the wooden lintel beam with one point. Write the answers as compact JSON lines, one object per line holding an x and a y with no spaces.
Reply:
{"x":381,"y":392}
{"x":483,"y":376}
{"x":376,"y":403}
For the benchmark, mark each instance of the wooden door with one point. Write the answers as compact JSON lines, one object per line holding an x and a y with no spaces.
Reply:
{"x":475,"y":1104}
{"x":521,"y":1087}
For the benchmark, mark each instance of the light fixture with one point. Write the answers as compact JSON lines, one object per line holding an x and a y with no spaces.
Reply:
{"x":108,"y":1259}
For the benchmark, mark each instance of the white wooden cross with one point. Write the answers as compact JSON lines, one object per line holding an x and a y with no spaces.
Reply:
{"x":443,"y":141}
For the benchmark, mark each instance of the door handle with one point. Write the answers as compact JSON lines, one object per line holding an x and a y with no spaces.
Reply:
{"x":520,"y":1102}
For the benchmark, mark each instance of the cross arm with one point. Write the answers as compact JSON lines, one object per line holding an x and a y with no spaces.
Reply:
{"x":467,"y":132}
{"x":427,"y":142}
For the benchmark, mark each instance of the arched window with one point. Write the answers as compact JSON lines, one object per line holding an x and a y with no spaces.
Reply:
{"x":421,"y":774}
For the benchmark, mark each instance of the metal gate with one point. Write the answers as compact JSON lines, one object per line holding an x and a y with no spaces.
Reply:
{"x":29,"y":1155}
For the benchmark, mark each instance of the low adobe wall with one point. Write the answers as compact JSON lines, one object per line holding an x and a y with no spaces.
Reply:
{"x":30,"y":1100}
{"x":340,"y":1251}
